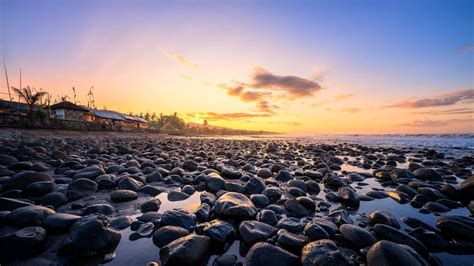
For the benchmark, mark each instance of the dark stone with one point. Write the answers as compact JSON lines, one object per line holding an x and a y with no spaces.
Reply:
{"x":435,"y":207}
{"x":383,"y":217}
{"x":219,"y":231}
{"x":295,"y":209}
{"x":427,"y":174}
{"x":29,"y":215}
{"x":187,"y":250}
{"x":391,"y":254}
{"x":357,"y":236}
{"x":55,"y":199}
{"x":349,"y":197}
{"x":466,"y":189}
{"x":252,"y":232}
{"x":23,"y":179}
{"x":39,"y":188}
{"x":167,"y":234}
{"x":123,"y":195}
{"x":315,"y":232}
{"x":60,"y":223}
{"x":267,"y":216}
{"x":322,"y":252}
{"x":151,"y":205}
{"x":80,"y":188}
{"x":22,"y":244}
{"x":8,"y":204}
{"x":264,"y":254}
{"x":290,"y":241}
{"x":203,"y":213}
{"x":430,"y":239}
{"x":255,"y":185}
{"x":214,"y":182}
{"x":179,"y":217}
{"x":235,"y":205}
{"x":389,"y":233}
{"x":264,"y":173}
{"x":129,"y":184}
{"x":177,"y":196}
{"x":99,"y":208}
{"x":283,"y":176}
{"x":90,"y":237}
{"x":121,"y":222}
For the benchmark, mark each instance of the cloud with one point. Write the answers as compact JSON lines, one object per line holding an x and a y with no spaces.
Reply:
{"x":211,"y":116}
{"x":438,"y":100}
{"x":434,"y":123}
{"x":181,"y":59}
{"x":466,"y":48}
{"x":457,"y":111}
{"x":264,"y":88}
{"x":295,"y":87}
{"x":239,"y":90}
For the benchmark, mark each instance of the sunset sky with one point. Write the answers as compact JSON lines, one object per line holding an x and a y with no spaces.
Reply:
{"x":287,"y":66}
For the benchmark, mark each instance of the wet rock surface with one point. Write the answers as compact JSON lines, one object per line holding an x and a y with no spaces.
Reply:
{"x":197,"y":201}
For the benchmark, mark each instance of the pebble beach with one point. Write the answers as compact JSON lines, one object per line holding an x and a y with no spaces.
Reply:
{"x":85,"y":198}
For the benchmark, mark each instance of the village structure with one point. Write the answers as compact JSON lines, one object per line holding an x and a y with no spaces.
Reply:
{"x":69,"y":111}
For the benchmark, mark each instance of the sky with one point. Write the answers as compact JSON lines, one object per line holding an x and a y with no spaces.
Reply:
{"x":306,"y":67}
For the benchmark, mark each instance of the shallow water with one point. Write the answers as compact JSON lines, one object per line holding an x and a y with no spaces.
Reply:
{"x":142,"y":251}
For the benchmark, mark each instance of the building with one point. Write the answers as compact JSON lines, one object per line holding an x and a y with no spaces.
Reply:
{"x":12,"y":107}
{"x":133,"y":121}
{"x":70,"y":111}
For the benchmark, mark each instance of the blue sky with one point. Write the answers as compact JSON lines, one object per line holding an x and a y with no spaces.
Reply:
{"x":381,"y":52}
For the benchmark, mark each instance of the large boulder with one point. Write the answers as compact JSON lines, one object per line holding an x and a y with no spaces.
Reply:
{"x":322,"y":252}
{"x":235,"y":205}
{"x":29,"y":215}
{"x":80,"y":188}
{"x":252,"y":232}
{"x":23,"y":179}
{"x":22,"y":244}
{"x":357,"y":236}
{"x":391,"y":254}
{"x":219,"y":231}
{"x":466,"y":189}
{"x":179,"y":217}
{"x":264,"y":254}
{"x":168,"y":234}
{"x":187,"y":250}
{"x":90,"y":237}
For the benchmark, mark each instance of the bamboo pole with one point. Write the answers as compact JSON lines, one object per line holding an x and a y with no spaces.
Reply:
{"x":6,"y":75}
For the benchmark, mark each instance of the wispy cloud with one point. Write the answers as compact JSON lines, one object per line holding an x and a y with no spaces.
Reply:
{"x":437,"y":100}
{"x":457,"y":111}
{"x":181,"y":59}
{"x":212,"y":116}
{"x":433,"y":123}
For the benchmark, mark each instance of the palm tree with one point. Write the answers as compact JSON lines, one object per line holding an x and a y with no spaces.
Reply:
{"x":31,"y":96}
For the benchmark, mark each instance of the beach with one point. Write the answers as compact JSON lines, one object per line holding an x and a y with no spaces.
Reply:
{"x":72,"y":197}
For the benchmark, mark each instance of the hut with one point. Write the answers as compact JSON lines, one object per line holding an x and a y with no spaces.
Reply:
{"x":70,"y":111}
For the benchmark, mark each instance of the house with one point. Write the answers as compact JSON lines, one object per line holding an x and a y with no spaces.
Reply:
{"x":70,"y":111}
{"x":106,"y":117}
{"x":133,"y":121}
{"x":12,"y":107}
